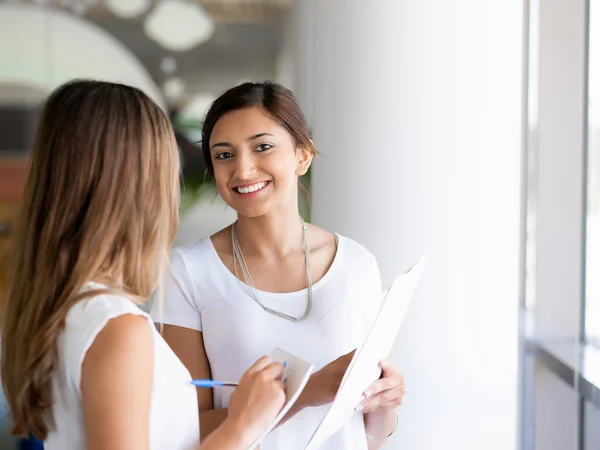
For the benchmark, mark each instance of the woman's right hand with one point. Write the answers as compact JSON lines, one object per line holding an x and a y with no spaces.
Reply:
{"x":324,"y":384}
{"x":257,"y":400}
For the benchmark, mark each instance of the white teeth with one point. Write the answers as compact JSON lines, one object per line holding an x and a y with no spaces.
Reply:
{"x":251,"y":188}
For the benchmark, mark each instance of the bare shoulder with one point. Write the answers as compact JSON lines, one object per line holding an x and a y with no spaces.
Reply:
{"x":116,"y":384}
{"x":125,"y":336}
{"x":324,"y":240}
{"x":321,"y":240}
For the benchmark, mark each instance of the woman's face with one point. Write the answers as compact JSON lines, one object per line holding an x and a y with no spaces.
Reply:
{"x":256,"y":165}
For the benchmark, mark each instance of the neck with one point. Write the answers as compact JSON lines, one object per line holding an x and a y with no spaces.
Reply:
{"x":271,"y":235}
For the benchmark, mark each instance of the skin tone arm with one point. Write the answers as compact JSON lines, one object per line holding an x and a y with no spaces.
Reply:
{"x":379,"y":406}
{"x":188,"y":345}
{"x":116,"y":385}
{"x":253,"y":406}
{"x":116,"y":389}
{"x":380,"y":402}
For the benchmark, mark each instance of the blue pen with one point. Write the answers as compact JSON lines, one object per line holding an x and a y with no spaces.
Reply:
{"x":211,"y":383}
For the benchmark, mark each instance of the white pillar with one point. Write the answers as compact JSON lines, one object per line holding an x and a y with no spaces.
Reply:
{"x":559,"y":209}
{"x":416,"y":114}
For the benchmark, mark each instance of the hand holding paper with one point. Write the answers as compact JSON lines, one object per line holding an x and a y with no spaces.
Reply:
{"x":364,"y":369}
{"x":258,"y":398}
{"x":296,"y":373}
{"x":387,"y":392}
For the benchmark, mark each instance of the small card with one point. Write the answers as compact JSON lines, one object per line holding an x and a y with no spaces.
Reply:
{"x":296,"y":373}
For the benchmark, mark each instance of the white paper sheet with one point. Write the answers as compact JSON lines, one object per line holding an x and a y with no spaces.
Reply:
{"x":296,"y":373}
{"x":364,"y":368}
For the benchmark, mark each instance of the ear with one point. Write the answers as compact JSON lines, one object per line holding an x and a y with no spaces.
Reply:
{"x":304,"y":158}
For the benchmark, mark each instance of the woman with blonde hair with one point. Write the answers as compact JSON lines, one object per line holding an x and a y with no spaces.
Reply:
{"x":82,"y":366}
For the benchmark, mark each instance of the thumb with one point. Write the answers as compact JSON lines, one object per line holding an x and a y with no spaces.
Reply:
{"x":386,"y":366}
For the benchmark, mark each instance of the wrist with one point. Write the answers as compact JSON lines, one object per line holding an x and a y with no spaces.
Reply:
{"x":380,"y":425}
{"x":305,"y":399}
{"x":299,"y":405}
{"x":381,"y":414}
{"x":234,"y":434}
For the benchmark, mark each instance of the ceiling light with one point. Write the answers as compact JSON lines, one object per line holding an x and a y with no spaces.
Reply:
{"x":127,"y":9}
{"x":80,"y":8}
{"x":196,"y":107}
{"x":168,"y":65}
{"x":178,"y":25}
{"x":173,"y":89}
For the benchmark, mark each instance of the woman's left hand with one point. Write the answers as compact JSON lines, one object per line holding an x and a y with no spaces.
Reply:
{"x":386,"y":393}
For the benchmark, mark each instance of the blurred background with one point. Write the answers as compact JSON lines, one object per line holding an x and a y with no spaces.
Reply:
{"x":466,"y":128}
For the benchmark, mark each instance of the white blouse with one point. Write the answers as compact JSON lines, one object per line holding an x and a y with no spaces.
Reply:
{"x":202,"y":294}
{"x":174,"y":409}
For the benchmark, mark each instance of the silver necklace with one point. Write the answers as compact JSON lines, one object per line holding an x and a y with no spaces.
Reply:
{"x":238,"y":259}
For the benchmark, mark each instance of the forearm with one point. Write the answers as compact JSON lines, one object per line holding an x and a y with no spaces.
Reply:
{"x":210,"y":420}
{"x":379,"y":425}
{"x":226,"y":437}
{"x":295,"y":409}
{"x":306,"y":399}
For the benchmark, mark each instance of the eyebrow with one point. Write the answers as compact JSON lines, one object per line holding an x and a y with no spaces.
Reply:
{"x":251,"y":138}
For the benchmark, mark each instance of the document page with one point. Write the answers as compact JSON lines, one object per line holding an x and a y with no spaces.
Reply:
{"x":364,"y":368}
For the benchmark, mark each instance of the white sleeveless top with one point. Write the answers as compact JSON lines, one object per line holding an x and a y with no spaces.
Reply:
{"x":202,"y":294}
{"x":174,"y":409}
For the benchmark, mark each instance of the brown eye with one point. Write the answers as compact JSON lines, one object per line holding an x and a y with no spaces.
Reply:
{"x":263,"y":147}
{"x":223,"y":155}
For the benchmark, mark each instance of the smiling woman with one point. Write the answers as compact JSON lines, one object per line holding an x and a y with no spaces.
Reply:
{"x":271,"y":280}
{"x":250,"y":165}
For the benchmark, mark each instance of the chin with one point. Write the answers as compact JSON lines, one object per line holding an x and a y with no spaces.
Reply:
{"x":251,"y":212}
{"x":247,"y":208}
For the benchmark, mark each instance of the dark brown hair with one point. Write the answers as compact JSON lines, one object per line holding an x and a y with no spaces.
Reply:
{"x":275,"y":100}
{"x":101,"y":204}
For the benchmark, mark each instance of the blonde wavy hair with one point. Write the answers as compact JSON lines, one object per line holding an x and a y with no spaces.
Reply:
{"x":101,"y":204}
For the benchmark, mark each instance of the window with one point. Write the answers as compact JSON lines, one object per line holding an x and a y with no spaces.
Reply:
{"x":592,"y":288}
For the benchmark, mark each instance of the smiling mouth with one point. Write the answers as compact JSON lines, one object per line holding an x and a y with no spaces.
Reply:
{"x":251,"y":188}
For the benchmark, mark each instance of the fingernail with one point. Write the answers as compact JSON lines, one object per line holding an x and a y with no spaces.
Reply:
{"x":366,"y":394}
{"x":358,"y":408}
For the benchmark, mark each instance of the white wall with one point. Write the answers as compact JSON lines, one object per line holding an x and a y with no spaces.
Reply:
{"x":302,"y":28}
{"x":416,"y":111}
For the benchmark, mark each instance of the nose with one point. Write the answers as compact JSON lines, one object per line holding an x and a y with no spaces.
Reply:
{"x":245,"y":166}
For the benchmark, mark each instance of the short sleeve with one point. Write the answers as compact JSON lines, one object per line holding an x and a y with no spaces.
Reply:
{"x":177,"y":307}
{"x":95,"y":313}
{"x":372,"y":294}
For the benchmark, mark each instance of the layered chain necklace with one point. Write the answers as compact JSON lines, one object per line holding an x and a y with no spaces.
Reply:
{"x":238,"y":260}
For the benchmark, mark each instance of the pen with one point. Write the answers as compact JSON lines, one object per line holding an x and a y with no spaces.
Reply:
{"x":211,"y":383}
